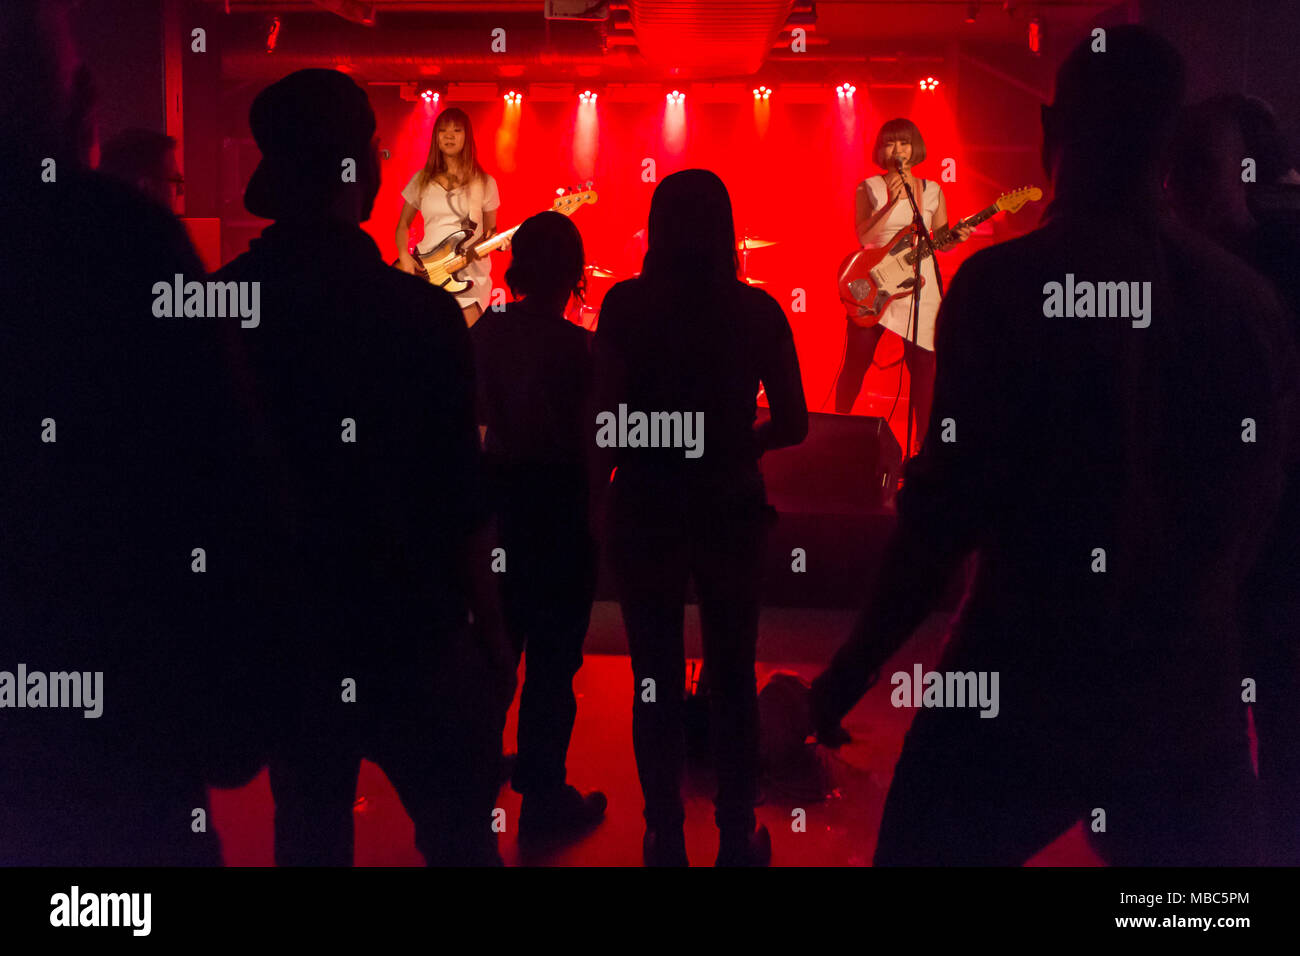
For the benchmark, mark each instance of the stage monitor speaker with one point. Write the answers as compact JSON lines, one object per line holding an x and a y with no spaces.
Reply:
{"x":848,"y":464}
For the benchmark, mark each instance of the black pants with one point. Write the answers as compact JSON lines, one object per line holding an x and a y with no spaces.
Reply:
{"x":547,"y":589}
{"x":860,"y":348}
{"x":659,"y":538}
{"x":436,"y":733}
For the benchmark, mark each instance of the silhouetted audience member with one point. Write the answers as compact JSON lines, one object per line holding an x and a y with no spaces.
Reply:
{"x":146,"y":159}
{"x":687,"y":345}
{"x":110,"y":419}
{"x":364,"y":515}
{"x":1114,"y":476}
{"x":1274,"y":195}
{"x":1208,"y":193}
{"x":534,"y":382}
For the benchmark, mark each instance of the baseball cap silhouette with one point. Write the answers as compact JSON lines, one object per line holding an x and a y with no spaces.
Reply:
{"x":306,"y":126}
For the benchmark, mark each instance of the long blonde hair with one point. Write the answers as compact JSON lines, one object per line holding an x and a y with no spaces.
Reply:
{"x":436,"y":163}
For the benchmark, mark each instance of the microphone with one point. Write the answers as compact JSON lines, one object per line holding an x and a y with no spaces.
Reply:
{"x":898,"y":164}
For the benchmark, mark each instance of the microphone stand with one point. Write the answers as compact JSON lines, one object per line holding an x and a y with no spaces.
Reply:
{"x":921,"y":235}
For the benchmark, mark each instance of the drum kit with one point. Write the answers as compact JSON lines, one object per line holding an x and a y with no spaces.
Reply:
{"x":600,"y":280}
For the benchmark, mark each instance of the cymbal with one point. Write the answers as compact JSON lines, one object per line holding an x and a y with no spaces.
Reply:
{"x":755,"y":281}
{"x":600,"y":272}
{"x":753,"y":242}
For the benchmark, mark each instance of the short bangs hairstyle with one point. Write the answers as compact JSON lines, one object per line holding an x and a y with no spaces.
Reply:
{"x":902,"y":129}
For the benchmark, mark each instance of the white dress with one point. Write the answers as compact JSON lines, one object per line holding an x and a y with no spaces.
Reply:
{"x":897,"y":316}
{"x":442,"y":212}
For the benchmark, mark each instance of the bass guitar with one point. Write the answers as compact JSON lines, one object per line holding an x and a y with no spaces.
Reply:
{"x":442,"y":264}
{"x":869,"y":279}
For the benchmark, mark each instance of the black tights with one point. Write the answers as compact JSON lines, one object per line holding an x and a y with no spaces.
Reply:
{"x":860,"y":348}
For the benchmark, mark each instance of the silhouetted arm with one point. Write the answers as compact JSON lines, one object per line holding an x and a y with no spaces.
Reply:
{"x":609,"y":371}
{"x":788,"y":424}
{"x":941,"y":508}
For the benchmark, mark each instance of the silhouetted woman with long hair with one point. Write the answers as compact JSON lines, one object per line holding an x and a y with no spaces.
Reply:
{"x":681,"y":352}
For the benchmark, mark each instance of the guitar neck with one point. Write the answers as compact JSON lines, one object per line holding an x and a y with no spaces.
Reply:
{"x":948,"y":237}
{"x":496,"y":242}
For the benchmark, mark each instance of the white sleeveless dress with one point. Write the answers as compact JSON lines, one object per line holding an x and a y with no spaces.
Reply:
{"x":442,"y":212}
{"x":897,"y":316}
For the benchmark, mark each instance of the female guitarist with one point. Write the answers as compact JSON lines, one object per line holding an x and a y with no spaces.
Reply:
{"x":451,"y":192}
{"x":881,"y":211}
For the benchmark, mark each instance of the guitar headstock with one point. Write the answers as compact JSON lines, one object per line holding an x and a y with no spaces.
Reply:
{"x":573,"y":198}
{"x":1012,"y":201}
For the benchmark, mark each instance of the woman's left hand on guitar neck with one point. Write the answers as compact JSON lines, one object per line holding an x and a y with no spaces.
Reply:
{"x":961,"y":233}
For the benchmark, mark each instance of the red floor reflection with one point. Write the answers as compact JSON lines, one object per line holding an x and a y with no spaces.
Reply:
{"x":841,"y":824}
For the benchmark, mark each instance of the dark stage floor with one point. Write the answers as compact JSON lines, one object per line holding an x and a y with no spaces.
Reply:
{"x":842,"y":816}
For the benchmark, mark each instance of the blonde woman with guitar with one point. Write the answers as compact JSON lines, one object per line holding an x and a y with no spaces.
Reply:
{"x":881,"y":212}
{"x":452,"y":192}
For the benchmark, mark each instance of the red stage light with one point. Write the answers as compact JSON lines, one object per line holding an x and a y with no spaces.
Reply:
{"x":586,"y":96}
{"x":1035,"y":36}
{"x":762,"y":93}
{"x":929,"y":84}
{"x":845,"y":90}
{"x":676,"y":97}
{"x":513,"y":97}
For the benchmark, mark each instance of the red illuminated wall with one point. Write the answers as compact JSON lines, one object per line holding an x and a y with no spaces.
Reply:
{"x":792,"y":181}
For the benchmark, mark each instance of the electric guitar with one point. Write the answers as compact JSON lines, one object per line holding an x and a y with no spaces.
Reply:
{"x":869,"y":279}
{"x":441,"y":264}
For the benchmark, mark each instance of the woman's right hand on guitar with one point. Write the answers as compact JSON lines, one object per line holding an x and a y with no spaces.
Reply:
{"x":406,"y":262}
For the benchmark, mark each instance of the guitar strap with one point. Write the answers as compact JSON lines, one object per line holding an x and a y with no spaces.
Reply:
{"x":938,"y":274}
{"x":473,"y":215}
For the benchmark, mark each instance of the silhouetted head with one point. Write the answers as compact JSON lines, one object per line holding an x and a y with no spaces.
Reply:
{"x":1112,"y":114}
{"x":47,"y":99}
{"x":691,"y":234}
{"x":1264,"y":139}
{"x":146,"y":159}
{"x":546,"y":258}
{"x":308,"y":125}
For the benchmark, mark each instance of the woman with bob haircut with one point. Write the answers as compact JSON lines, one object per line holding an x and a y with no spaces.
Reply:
{"x":881,"y":211}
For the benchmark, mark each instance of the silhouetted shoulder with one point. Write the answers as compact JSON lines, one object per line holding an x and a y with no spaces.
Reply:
{"x":420,"y":304}
{"x":760,"y":303}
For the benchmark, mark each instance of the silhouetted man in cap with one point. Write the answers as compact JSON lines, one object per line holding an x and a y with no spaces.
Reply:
{"x":358,"y":389}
